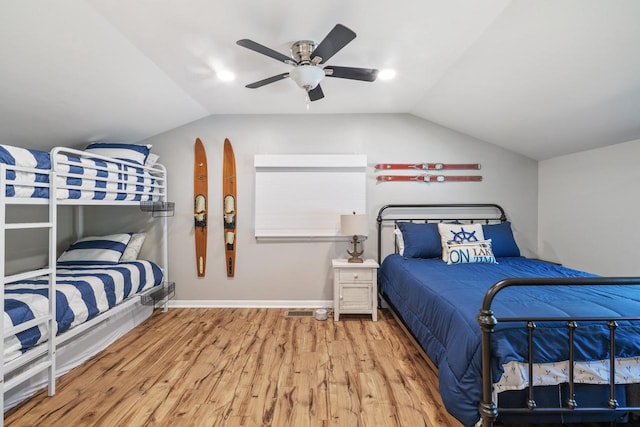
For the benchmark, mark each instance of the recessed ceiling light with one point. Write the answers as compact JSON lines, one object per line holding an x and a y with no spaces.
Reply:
{"x":386,"y":74}
{"x":225,"y":75}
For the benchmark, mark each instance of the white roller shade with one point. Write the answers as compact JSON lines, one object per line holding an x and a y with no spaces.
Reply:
{"x":303,"y":195}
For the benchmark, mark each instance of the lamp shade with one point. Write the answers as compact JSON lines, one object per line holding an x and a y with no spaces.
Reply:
{"x":354,"y":225}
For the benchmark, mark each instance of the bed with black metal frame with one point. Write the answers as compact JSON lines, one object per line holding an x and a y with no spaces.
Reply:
{"x":550,"y":328}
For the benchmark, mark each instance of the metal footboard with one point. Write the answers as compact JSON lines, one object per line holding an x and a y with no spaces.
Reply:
{"x":487,"y":321}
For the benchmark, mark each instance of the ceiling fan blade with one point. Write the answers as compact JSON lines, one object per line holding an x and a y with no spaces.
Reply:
{"x":365,"y":74}
{"x":257,"y":47}
{"x":337,"y":38}
{"x":316,"y":93}
{"x":272,"y":79}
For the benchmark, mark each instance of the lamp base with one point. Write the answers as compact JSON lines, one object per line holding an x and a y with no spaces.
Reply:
{"x":355,"y":254}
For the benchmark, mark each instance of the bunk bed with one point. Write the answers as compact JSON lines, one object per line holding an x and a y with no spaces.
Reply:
{"x":513,"y":339}
{"x":59,"y":314}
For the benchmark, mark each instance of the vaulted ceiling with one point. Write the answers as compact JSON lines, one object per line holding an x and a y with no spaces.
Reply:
{"x":539,"y":77}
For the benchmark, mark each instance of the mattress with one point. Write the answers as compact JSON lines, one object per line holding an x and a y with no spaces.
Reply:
{"x":440,"y":303}
{"x":76,"y":177}
{"x":93,"y":179}
{"x":82,"y":293}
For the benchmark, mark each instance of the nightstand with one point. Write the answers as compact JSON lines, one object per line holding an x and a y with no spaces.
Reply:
{"x":355,"y":288}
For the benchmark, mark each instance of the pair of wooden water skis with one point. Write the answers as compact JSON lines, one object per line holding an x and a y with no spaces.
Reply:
{"x":201,"y":198}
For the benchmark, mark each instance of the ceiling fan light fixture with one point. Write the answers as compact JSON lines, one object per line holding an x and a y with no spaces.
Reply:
{"x":386,"y":74}
{"x":307,"y":76}
{"x":225,"y":75}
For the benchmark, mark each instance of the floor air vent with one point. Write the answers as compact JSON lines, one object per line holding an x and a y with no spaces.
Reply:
{"x":299,"y":313}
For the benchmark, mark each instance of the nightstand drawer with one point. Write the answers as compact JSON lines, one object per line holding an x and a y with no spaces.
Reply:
{"x":354,"y":275}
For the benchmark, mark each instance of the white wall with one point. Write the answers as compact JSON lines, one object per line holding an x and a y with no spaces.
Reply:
{"x":268,"y":272}
{"x":29,"y":248}
{"x":589,"y":208}
{"x":100,"y":220}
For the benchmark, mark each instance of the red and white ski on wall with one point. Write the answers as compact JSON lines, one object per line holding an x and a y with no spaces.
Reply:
{"x":427,"y":166}
{"x":429,"y":178}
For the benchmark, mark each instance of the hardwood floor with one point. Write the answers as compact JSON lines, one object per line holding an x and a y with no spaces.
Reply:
{"x":247,"y":367}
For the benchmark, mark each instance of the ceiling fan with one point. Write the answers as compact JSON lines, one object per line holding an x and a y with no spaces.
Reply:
{"x":306,"y":58}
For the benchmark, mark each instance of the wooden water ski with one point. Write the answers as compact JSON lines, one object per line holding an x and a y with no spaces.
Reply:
{"x":429,"y":178}
{"x":428,"y":166}
{"x":229,"y":207}
{"x":200,"y":201}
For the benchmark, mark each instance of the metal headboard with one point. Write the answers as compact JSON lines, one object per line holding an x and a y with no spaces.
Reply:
{"x":464,"y":212}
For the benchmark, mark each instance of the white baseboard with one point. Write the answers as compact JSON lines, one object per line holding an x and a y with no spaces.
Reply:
{"x":250,"y":304}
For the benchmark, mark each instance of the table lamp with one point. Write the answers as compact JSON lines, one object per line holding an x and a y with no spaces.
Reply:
{"x":354,"y":225}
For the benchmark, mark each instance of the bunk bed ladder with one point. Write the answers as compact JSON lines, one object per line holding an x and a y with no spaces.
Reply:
{"x":48,"y":362}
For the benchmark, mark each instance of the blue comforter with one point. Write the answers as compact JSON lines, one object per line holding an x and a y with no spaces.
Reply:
{"x":440,"y":302}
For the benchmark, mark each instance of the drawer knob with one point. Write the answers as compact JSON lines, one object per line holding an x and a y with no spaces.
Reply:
{"x":355,"y":276}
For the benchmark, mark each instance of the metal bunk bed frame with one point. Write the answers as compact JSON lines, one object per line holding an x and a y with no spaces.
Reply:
{"x":43,"y":357}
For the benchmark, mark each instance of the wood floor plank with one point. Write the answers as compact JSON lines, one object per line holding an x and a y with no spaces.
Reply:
{"x":247,"y":367}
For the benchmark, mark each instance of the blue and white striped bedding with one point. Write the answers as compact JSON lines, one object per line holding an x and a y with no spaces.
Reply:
{"x":34,"y":159}
{"x":88,"y":183}
{"x":78,"y":178}
{"x":82,"y":292}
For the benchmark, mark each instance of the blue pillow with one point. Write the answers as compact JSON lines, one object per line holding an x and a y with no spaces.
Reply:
{"x":502,"y":241}
{"x":129,"y":152}
{"x":96,"y":250}
{"x":420,"y":240}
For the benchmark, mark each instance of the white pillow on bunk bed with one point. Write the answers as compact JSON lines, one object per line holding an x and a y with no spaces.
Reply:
{"x":458,"y":233}
{"x":152,"y":159}
{"x":133,"y":248}
{"x":135,"y":153}
{"x":96,"y":250}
